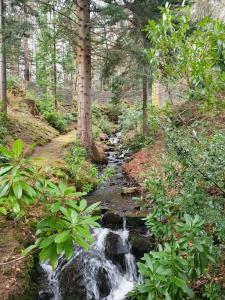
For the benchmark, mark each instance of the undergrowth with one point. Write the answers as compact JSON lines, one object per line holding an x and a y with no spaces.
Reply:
{"x":84,"y":174}
{"x":186,"y":198}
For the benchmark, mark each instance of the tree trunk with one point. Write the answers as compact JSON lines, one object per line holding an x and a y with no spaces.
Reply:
{"x":145,"y":105}
{"x":26,"y":52}
{"x":3,"y":94}
{"x":26,"y":59}
{"x":84,"y":128}
{"x":54,"y":63}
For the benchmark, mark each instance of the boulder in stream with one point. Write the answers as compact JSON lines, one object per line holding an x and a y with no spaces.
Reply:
{"x":115,"y":249}
{"x":130,"y":190}
{"x":76,"y":281}
{"x":113,"y":220}
{"x":135,"y":221}
{"x":140,"y":244}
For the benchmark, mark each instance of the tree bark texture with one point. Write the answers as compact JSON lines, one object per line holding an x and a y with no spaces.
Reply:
{"x":145,"y":103}
{"x":26,"y":59}
{"x":84,"y":129}
{"x":54,"y":63}
{"x":3,"y":94}
{"x":26,"y":52}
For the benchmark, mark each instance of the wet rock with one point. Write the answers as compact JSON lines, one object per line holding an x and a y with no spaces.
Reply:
{"x":103,"y":137}
{"x":140,"y":244}
{"x":112,"y":220}
{"x":115,"y":249}
{"x":45,"y":296}
{"x":130,"y":191}
{"x":102,"y":282}
{"x":109,"y":148}
{"x":75,"y":282}
{"x":136,"y":221}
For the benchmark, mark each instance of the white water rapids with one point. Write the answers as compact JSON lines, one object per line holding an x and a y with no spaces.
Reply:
{"x":120,"y":281}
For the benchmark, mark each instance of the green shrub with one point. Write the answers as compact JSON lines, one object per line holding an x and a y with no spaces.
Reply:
{"x":113,"y":111}
{"x":44,"y":103}
{"x":3,"y":128}
{"x":84,"y":174}
{"x":173,"y":37}
{"x":17,"y":181}
{"x":138,"y":142}
{"x":68,"y":219}
{"x":130,"y":118}
{"x":13,"y":84}
{"x":96,"y":132}
{"x":165,"y":276}
{"x":214,"y":291}
{"x":56,"y":120}
{"x":101,"y":120}
{"x":190,"y":180}
{"x":116,"y":87}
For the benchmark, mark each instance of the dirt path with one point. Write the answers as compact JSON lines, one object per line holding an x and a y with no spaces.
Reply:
{"x":52,"y":153}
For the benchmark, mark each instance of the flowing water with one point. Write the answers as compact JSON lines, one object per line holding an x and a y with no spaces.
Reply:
{"x":108,"y":270}
{"x":119,"y":281}
{"x":109,"y":193}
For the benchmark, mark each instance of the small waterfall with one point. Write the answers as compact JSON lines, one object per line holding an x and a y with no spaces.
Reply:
{"x":102,"y":273}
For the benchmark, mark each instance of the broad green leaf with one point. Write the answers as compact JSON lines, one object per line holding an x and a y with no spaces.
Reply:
{"x":69,"y":191}
{"x":143,"y":269}
{"x":28,"y":189}
{"x":6,"y":152}
{"x":62,"y":237}
{"x":179,"y":282}
{"x":74,"y":217}
{"x":188,"y":219}
{"x":4,"y":189}
{"x":47,"y":241}
{"x":5,"y":170}
{"x":85,"y":233}
{"x":48,"y":223}
{"x":81,"y":242}
{"x":49,"y":253}
{"x":68,"y":248}
{"x":55,"y":207}
{"x":83,"y":204}
{"x":92,"y":207}
{"x":148,"y":261}
{"x":17,"y":148}
{"x":27,"y":251}
{"x":17,"y":189}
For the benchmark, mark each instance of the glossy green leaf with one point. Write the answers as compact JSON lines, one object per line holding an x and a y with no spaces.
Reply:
{"x":62,"y":237}
{"x":17,"y":148}
{"x":17,"y":189}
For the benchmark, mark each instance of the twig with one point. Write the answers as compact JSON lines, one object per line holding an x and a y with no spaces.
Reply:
{"x":12,"y":261}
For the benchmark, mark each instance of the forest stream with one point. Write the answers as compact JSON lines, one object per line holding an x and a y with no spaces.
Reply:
{"x":108,"y":270}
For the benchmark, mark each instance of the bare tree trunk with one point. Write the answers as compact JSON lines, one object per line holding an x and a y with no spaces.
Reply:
{"x":54,"y":63}
{"x":26,"y":59}
{"x":84,"y":127}
{"x":144,"y":103}
{"x":26,"y":52}
{"x":3,"y":93}
{"x":74,"y":90}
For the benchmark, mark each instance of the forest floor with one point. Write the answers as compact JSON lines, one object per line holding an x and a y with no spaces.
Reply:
{"x":14,"y":271}
{"x":144,"y":161}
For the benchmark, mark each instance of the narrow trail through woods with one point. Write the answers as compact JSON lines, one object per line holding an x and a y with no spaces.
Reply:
{"x":52,"y":153}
